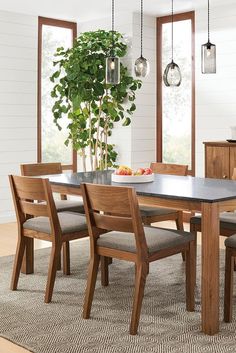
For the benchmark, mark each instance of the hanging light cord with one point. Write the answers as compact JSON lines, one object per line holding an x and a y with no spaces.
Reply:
{"x":141,"y":28}
{"x":208,"y":22}
{"x":172,"y":30}
{"x":113,"y":26}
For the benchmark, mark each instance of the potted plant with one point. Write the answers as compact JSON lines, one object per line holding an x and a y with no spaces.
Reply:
{"x":92,"y":106}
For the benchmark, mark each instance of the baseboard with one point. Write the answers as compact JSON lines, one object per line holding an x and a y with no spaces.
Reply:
{"x":7,"y":217}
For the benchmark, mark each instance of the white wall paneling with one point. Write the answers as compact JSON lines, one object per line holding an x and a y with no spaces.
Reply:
{"x":18,"y":82}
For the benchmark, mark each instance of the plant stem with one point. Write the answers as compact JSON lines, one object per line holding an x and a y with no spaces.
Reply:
{"x":84,"y":159}
{"x":90,"y":139}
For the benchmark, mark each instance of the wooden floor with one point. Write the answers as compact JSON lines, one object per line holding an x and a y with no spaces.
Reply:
{"x":8,"y":239}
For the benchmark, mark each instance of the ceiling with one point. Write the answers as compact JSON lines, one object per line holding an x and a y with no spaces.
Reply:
{"x":84,"y":10}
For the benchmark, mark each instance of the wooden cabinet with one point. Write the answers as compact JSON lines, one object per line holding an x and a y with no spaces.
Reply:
{"x":220,"y":159}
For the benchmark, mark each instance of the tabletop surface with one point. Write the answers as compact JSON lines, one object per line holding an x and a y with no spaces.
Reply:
{"x":164,"y":186}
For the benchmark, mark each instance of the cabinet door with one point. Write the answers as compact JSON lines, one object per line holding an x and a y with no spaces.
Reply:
{"x":217,"y":162}
{"x":232,"y":164}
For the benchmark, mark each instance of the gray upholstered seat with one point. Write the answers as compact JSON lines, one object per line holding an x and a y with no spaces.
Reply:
{"x":231,"y":241}
{"x":69,"y":205}
{"x":227,"y":220}
{"x":69,"y":223}
{"x":149,"y":211}
{"x":157,"y":239}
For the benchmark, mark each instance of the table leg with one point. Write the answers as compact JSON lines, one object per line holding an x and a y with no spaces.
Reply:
{"x":28,"y":259}
{"x":210,"y":268}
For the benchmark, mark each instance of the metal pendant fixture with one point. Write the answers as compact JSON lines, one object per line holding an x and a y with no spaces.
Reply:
{"x":208,"y":52}
{"x":172,"y":75}
{"x":112,"y":62}
{"x":141,"y":66}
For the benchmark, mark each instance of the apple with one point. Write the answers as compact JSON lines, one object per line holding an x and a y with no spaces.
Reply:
{"x":147,"y":171}
{"x":140,"y":171}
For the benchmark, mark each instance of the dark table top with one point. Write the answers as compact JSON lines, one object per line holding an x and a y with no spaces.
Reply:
{"x":164,"y":186}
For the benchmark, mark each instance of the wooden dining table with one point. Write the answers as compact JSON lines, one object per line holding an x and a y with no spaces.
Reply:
{"x":207,"y":196}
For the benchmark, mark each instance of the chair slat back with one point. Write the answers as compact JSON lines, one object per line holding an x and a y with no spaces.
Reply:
{"x":167,"y":168}
{"x":113,"y":208}
{"x":27,"y":192}
{"x":37,"y":169}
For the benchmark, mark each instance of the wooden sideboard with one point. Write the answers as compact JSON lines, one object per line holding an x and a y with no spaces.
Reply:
{"x":220,"y":159}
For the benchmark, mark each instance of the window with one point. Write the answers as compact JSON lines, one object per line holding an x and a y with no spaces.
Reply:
{"x":176,"y":105}
{"x":51,"y":147}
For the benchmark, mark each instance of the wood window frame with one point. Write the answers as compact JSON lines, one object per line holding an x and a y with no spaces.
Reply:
{"x":56,"y":23}
{"x":160,"y":21}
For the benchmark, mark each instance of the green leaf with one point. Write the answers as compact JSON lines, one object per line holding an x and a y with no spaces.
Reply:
{"x":126,"y":122}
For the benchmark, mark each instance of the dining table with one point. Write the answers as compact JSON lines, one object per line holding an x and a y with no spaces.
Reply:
{"x":203,"y":195}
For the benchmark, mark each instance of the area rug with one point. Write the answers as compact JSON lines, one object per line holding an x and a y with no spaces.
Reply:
{"x":165,"y":326}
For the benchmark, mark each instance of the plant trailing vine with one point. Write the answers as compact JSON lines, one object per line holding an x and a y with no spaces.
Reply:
{"x":91,"y":105}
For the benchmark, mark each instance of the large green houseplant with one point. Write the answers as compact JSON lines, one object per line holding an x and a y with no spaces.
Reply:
{"x":91,"y":105}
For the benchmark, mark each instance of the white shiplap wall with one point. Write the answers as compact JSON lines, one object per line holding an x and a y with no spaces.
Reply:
{"x":143,"y":134}
{"x":216,"y":93}
{"x":18,"y":79}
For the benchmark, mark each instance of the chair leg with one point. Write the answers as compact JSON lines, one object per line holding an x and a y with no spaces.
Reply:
{"x":55,"y":253}
{"x":140,"y":280}
{"x":91,"y":283}
{"x":59,"y":263}
{"x":66,"y":258}
{"x":180,"y":226}
{"x":105,"y":271}
{"x":28,"y":259}
{"x":190,"y":276}
{"x":228,"y":295}
{"x":18,"y":262}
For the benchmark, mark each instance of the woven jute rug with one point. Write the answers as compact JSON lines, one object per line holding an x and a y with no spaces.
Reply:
{"x":165,"y":325}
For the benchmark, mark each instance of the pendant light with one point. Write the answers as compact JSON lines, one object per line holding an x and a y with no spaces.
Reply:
{"x":112,"y":62}
{"x":141,"y":66}
{"x":172,"y":75}
{"x":208,"y":52}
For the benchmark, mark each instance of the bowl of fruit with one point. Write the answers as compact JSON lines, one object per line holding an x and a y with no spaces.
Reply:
{"x":124,"y":174}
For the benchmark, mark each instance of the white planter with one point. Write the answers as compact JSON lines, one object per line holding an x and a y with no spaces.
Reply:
{"x":132,"y":178}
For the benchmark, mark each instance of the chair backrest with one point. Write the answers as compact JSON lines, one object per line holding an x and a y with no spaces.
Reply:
{"x":113,"y":208}
{"x":36,"y":169}
{"x":26,"y":193}
{"x":167,"y":168}
{"x":234,"y":174}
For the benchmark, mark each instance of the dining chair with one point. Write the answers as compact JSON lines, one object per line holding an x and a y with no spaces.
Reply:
{"x":62,"y":204}
{"x":116,"y":210}
{"x":227,"y":221}
{"x":41,"y":220}
{"x":151,"y":214}
{"x":230,"y":255}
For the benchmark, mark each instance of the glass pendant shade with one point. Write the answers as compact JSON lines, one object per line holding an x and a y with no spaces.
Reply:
{"x":113,"y":70}
{"x":208,"y":58}
{"x":141,"y":67}
{"x":172,"y":75}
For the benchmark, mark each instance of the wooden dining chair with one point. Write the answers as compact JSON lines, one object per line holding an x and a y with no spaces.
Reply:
{"x":116,"y":210}
{"x":62,"y":204}
{"x":151,"y":214}
{"x":41,"y":220}
{"x":227,"y":221}
{"x":230,"y":255}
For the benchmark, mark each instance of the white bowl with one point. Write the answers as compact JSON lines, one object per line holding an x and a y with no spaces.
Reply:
{"x":132,"y":178}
